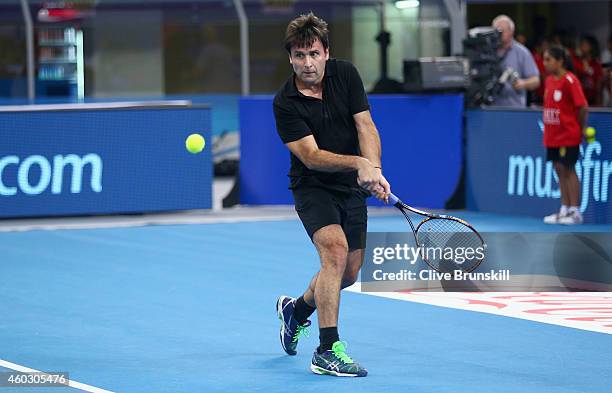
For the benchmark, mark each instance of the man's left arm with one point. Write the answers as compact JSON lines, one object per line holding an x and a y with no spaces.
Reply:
{"x":530,"y":75}
{"x":531,"y":83}
{"x":369,"y":144}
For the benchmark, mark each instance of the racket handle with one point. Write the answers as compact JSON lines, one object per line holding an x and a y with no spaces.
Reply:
{"x":393,"y":199}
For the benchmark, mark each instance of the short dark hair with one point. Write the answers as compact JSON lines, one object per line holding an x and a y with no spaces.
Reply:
{"x":304,"y":30}
{"x":558,"y":52}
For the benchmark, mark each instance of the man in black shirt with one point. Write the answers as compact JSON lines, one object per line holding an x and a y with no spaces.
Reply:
{"x":322,"y":116}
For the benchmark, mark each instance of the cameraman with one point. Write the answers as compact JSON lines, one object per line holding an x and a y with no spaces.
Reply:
{"x":520,"y":68}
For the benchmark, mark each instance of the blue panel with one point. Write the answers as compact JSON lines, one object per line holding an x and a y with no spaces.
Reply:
{"x":507,"y":172}
{"x":132,"y":161}
{"x":264,"y":160}
{"x":421,"y":142}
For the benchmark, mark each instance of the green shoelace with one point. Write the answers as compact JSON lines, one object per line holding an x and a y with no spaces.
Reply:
{"x":301,"y":330}
{"x":338,"y":349}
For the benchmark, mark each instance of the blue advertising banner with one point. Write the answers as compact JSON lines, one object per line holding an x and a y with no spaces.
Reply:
{"x":101,"y":161}
{"x":507,"y":170}
{"x":421,"y":143}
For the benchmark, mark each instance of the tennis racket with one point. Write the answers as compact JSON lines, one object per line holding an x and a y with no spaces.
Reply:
{"x":444,"y":240}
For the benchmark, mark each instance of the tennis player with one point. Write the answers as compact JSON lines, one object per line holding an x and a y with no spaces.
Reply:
{"x":565,"y":119}
{"x":322,"y":116}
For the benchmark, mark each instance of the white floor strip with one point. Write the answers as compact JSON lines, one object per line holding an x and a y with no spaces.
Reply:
{"x":71,"y":383}
{"x":128,"y":223}
{"x":232,"y":215}
{"x":590,"y":311}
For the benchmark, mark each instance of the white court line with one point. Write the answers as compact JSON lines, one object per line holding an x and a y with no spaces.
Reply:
{"x":71,"y":383}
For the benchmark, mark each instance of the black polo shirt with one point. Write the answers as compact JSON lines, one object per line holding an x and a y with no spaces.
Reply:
{"x":329,"y":121}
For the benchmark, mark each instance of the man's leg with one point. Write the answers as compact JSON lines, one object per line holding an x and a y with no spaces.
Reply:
{"x":323,"y":290}
{"x":339,"y":269}
{"x":354,"y":226}
{"x":332,"y":246}
{"x":333,"y":225}
{"x":319,"y":212}
{"x":308,"y":295}
{"x":353,"y":265}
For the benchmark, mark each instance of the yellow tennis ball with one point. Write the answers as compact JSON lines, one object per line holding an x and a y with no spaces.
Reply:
{"x":589,"y":132}
{"x":195,"y":143}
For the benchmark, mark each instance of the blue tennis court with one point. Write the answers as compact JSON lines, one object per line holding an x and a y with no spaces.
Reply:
{"x":153,"y":156}
{"x":190,"y":308}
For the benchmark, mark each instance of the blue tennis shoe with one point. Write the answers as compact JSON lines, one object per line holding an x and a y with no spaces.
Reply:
{"x":290,"y":329}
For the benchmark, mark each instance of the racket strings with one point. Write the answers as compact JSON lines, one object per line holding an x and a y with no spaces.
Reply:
{"x":446,"y":243}
{"x":409,"y":220}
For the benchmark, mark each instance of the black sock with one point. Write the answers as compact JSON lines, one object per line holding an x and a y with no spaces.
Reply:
{"x":328,"y":336}
{"x":302,"y":310}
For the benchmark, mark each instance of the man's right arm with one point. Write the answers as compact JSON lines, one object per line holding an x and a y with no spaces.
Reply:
{"x":308,"y":152}
{"x":296,"y":135}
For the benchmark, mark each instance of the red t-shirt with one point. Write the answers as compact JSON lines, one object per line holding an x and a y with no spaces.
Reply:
{"x":562,"y":98}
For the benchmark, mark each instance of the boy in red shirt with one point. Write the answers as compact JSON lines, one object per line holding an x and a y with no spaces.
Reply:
{"x":565,"y":116}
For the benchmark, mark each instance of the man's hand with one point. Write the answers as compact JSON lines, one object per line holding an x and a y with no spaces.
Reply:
{"x":367,"y":175}
{"x":383,"y":190}
{"x":519,"y":84}
{"x":370,"y":178}
{"x":530,"y":83}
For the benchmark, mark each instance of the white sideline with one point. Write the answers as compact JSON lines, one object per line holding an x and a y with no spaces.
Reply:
{"x":71,"y":383}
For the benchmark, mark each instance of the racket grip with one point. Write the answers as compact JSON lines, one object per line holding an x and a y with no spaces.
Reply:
{"x":393,"y":199}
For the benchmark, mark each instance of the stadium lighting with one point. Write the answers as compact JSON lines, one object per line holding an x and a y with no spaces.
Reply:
{"x":406,"y":4}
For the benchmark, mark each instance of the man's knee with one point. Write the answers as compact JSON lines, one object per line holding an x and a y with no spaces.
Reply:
{"x":332,"y":246}
{"x":334,"y":252}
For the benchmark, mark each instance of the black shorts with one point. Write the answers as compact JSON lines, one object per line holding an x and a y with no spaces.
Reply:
{"x":318,"y":207}
{"x":566,"y":155}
